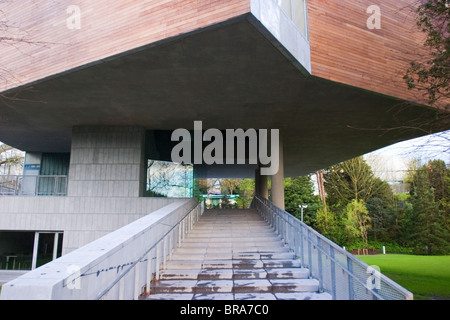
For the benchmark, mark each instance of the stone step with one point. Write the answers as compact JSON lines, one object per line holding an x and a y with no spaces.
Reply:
{"x":282,"y":264}
{"x":229,"y":239}
{"x":242,"y":296}
{"x":288,"y":273}
{"x":238,"y":246}
{"x":232,"y":256}
{"x":232,"y":264}
{"x":245,"y":235}
{"x":234,"y":274}
{"x":235,"y":286}
{"x":186,"y":250}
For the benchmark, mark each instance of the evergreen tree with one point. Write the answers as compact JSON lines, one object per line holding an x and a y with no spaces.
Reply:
{"x":383,"y":218}
{"x":430,"y":233}
{"x":297,"y":191}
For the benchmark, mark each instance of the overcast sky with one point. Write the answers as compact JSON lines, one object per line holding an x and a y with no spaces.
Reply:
{"x":425,"y":148}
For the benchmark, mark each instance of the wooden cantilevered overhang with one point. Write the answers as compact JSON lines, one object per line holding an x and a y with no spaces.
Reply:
{"x":166,"y":65}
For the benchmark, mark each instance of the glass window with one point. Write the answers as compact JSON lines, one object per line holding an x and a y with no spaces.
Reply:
{"x":286,"y":7}
{"x":296,"y":11}
{"x":299,"y":12}
{"x":169,"y":179}
{"x":16,"y":250}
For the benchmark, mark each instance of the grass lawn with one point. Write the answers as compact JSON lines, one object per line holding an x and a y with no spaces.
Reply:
{"x":427,"y":277}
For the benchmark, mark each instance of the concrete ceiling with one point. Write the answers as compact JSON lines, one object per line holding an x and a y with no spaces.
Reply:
{"x":229,"y":76}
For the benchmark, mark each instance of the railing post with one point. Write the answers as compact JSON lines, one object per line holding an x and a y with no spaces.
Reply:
{"x":55,"y":186}
{"x":319,"y":261}
{"x":333,"y":274}
{"x":157,"y":261}
{"x":350,"y":280}
{"x":136,"y":281}
{"x":149,"y":271}
{"x":164,"y":257}
{"x":302,"y":252}
{"x":171,"y":244}
{"x":309,"y":251}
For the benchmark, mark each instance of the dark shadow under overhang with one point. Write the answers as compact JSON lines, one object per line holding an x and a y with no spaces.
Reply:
{"x":228,"y":76}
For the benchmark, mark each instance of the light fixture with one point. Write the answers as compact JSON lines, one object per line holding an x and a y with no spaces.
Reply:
{"x":302,"y":207}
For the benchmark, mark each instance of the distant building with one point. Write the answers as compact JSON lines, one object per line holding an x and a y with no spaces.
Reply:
{"x":392,"y":169}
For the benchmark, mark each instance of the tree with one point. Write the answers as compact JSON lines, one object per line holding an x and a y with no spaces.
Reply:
{"x":383,"y":218}
{"x":359,"y":203}
{"x":168,"y":179}
{"x":229,"y":186}
{"x":300,"y":190}
{"x":430,"y":233}
{"x":328,"y":224}
{"x":351,"y":180}
{"x":358,"y":221}
{"x":246,"y":190}
{"x":9,"y":158}
{"x":432,"y":73}
{"x":14,"y":36}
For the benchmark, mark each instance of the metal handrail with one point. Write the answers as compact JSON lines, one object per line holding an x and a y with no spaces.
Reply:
{"x":291,"y":229}
{"x":28,"y":185}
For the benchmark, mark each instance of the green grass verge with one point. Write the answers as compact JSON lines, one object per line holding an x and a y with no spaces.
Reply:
{"x":427,"y":277}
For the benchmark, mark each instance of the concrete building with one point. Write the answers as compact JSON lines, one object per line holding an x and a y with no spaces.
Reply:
{"x":94,"y":91}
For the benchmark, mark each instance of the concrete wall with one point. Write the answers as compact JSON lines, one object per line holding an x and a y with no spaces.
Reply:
{"x":284,"y":29}
{"x":87,"y":272}
{"x":82,"y":219}
{"x":107,"y":162}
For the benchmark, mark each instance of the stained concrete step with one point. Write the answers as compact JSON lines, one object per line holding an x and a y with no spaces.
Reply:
{"x":235,"y":286}
{"x":186,"y":250}
{"x":234,"y":256}
{"x":242,"y":296}
{"x":234,"y":274}
{"x":232,"y":264}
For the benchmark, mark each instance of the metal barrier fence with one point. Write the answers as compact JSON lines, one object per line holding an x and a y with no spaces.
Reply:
{"x":341,"y":274}
{"x":33,"y":185}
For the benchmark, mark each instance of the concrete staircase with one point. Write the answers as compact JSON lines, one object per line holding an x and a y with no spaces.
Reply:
{"x":234,"y":255}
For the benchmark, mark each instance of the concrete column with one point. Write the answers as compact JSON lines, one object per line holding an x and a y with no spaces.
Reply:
{"x":107,"y":162}
{"x":278,"y":181}
{"x":257,"y":183}
{"x":261,"y":187}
